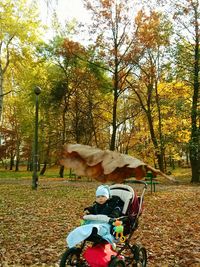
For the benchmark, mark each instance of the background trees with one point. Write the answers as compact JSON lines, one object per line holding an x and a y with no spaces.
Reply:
{"x":114,"y":35}
{"x":187,"y":15}
{"x":153,"y":37}
{"x":18,"y":32}
{"x":133,"y":87}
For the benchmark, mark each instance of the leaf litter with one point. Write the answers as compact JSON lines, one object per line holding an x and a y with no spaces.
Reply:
{"x":34,"y":224}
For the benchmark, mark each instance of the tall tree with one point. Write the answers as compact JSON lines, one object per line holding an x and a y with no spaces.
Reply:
{"x":18,"y":24}
{"x":153,"y":35}
{"x":113,"y":34}
{"x":187,"y":17}
{"x":75,"y":91}
{"x":17,"y":128}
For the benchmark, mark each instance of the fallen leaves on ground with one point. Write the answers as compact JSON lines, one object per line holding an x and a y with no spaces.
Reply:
{"x":34,"y":224}
{"x":170,"y":228}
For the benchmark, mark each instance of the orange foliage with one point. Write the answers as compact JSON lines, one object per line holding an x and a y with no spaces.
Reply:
{"x":70,"y":49}
{"x":149,"y":30}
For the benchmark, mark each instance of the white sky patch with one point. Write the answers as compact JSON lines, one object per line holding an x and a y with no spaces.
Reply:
{"x":66,"y":10}
{"x":72,"y":9}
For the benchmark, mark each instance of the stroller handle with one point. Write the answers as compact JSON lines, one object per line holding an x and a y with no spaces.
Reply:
{"x":137,"y":182}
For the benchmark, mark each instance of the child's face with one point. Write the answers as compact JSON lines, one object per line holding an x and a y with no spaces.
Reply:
{"x":101,"y":199}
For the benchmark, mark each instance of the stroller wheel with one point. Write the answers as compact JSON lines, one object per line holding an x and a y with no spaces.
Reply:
{"x":117,"y":263}
{"x":140,"y":256}
{"x":71,"y":257}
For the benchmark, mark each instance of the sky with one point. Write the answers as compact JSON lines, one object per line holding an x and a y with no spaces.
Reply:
{"x":66,"y":10}
{"x":72,"y":8}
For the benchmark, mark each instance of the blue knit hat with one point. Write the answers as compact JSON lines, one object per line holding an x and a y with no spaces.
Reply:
{"x":103,"y":190}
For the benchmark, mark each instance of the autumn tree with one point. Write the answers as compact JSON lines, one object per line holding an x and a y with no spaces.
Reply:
{"x":75,"y":92}
{"x":17,"y":130}
{"x":18,"y":29}
{"x":63,"y":86}
{"x":113,"y":35}
{"x":153,"y":37}
{"x":7,"y":148}
{"x":187,"y":16}
{"x":175,"y":103}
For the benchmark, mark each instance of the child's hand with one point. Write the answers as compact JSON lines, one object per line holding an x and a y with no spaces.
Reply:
{"x":86,"y":212}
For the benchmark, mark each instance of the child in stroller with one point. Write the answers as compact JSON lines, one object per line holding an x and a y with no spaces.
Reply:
{"x":105,"y":204}
{"x":108,"y":225}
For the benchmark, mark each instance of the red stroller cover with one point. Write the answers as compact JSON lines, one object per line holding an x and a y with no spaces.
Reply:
{"x":99,"y":255}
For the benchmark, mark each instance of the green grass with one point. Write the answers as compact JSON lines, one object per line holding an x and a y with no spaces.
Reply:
{"x":24,"y":174}
{"x":5,"y":174}
{"x":181,"y":175}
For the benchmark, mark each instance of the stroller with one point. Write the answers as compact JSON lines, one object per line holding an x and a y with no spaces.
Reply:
{"x":97,"y":252}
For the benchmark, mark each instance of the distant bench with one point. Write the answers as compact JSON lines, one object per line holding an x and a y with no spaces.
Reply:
{"x":151,"y":181}
{"x":73,"y":177}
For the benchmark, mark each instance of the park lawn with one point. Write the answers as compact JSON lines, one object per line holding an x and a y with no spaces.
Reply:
{"x":4,"y":174}
{"x":24,"y":174}
{"x":34,"y":224}
{"x":51,"y":173}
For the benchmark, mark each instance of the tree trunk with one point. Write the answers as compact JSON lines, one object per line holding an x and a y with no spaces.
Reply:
{"x":195,"y":129}
{"x":158,"y":152}
{"x":30,"y":165}
{"x":44,"y":168}
{"x":1,"y":92}
{"x":161,"y":139}
{"x":11,"y":162}
{"x":171,"y":163}
{"x":195,"y":147}
{"x":115,"y":99}
{"x":61,"y":172}
{"x":17,"y":165}
{"x":17,"y":156}
{"x":114,"y":127}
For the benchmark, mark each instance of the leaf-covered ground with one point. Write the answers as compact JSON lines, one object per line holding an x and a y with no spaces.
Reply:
{"x":34,"y":224}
